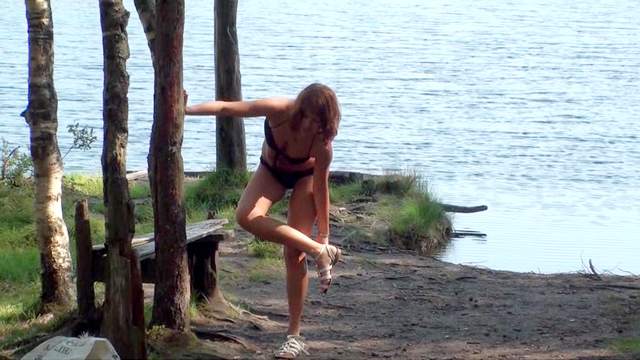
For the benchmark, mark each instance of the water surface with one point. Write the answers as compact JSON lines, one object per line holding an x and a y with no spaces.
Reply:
{"x":528,"y":107}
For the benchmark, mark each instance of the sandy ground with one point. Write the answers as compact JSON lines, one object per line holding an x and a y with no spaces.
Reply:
{"x":388,"y":303}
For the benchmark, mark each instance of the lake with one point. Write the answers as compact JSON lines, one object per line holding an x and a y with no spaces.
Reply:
{"x":528,"y":107}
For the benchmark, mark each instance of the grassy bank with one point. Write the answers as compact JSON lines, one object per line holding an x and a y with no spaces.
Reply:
{"x":401,"y":202}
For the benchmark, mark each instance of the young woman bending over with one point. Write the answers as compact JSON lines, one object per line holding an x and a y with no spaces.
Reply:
{"x":296,"y":154}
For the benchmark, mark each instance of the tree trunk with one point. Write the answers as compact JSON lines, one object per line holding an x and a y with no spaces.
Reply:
{"x":41,"y":115}
{"x":147,"y":14}
{"x":230,"y":141}
{"x":123,"y":299}
{"x":172,"y":291}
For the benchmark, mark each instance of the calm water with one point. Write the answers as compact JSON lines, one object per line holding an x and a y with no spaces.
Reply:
{"x":528,"y":107}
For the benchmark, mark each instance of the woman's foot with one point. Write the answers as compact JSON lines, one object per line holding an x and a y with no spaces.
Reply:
{"x":328,"y":257}
{"x":292,"y":348}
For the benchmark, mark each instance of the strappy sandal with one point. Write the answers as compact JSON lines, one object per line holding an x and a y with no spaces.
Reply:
{"x":324,"y":274}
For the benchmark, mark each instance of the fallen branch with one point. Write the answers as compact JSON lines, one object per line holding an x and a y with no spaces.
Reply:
{"x":462,"y":209}
{"x":593,"y":271}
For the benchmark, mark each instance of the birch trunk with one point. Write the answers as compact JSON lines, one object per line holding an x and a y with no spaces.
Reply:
{"x":41,"y":115}
{"x":124,"y":312}
{"x":230,"y":139}
{"x":166,"y":176}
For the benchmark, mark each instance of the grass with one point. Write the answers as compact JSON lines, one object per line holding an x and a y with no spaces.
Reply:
{"x":217,"y":191}
{"x":414,"y":219}
{"x":266,"y":270}
{"x":400,"y":201}
{"x":631,"y":345}
{"x":265,"y":249}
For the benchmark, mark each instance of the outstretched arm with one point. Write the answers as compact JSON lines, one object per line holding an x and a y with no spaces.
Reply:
{"x":238,"y":108}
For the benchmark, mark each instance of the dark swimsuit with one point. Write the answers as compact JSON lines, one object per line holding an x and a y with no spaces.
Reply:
{"x":288,"y":179}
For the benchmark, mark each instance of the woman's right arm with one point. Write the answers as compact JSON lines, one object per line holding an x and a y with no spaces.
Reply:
{"x":261,"y":107}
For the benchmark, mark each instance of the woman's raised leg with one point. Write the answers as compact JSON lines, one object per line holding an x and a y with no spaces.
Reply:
{"x":261,"y":192}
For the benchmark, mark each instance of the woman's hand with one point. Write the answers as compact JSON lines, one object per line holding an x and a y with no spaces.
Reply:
{"x":185,"y":97}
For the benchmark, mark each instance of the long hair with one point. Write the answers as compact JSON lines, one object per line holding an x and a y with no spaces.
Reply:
{"x":320,"y":100}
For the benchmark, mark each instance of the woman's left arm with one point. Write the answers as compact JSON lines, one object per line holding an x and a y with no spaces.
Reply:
{"x":323,"y":156}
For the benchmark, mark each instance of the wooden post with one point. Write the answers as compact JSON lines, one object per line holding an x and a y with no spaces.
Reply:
{"x":84,"y":284}
{"x":166,"y":175}
{"x":204,"y":272}
{"x":230,"y":140}
{"x":123,"y":300}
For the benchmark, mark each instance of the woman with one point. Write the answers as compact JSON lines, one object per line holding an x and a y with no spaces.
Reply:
{"x":296,"y":154}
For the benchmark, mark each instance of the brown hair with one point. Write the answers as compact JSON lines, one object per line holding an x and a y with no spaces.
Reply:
{"x":318,"y":99}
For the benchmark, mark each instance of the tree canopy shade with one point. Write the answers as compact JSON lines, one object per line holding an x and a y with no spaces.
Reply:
{"x":41,"y":115}
{"x":166,"y":175}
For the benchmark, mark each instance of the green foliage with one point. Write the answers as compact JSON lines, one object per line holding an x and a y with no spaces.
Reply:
{"x":346,"y":192}
{"x":84,"y":184}
{"x":83,"y":137}
{"x":19,"y":265}
{"x":17,"y":302}
{"x":264,"y":249}
{"x":416,"y":216}
{"x":631,"y":345}
{"x":397,"y":184}
{"x":139,"y":191}
{"x":217,"y":191}
{"x":16,"y":208}
{"x":143,"y":213}
{"x":14,"y":165}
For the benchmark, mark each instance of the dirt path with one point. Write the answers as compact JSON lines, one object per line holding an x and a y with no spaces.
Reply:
{"x":392,"y":304}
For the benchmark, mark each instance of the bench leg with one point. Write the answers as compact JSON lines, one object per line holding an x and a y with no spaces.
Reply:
{"x":204,"y":275}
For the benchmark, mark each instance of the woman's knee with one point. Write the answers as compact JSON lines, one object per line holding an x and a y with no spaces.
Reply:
{"x":243,"y":218}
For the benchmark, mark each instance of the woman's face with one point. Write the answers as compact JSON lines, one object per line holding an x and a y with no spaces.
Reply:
{"x":310,"y":122}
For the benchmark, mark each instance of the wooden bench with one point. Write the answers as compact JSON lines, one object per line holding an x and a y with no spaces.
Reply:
{"x":202,"y":251}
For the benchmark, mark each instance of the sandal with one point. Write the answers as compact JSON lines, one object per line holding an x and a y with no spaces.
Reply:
{"x":324,"y":274}
{"x":292,"y":347}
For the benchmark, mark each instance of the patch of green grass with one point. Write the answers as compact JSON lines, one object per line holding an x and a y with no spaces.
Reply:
{"x":229,"y":213}
{"x":266,"y":270}
{"x":19,"y":320}
{"x":631,"y":345}
{"x":416,"y":215}
{"x":17,"y":237}
{"x":280,"y":208}
{"x":19,"y":265}
{"x":217,"y":191}
{"x":87,"y":185}
{"x":139,"y":191}
{"x":18,"y":301}
{"x":398,"y":184}
{"x":265,"y":249}
{"x":16,"y":208}
{"x":345,"y":193}
{"x":143,"y":213}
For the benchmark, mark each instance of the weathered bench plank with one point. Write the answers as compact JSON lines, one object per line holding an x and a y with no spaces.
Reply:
{"x":202,"y":241}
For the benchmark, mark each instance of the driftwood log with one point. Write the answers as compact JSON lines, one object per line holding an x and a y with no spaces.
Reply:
{"x":463,"y":209}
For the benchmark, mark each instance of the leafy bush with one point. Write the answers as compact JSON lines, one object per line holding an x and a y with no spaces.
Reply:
{"x":15,"y":166}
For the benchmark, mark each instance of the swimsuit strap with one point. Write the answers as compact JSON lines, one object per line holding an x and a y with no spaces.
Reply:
{"x":271,"y":141}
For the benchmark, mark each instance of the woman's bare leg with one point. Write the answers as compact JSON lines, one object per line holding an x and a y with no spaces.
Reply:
{"x":261,"y":192}
{"x":301,"y":216}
